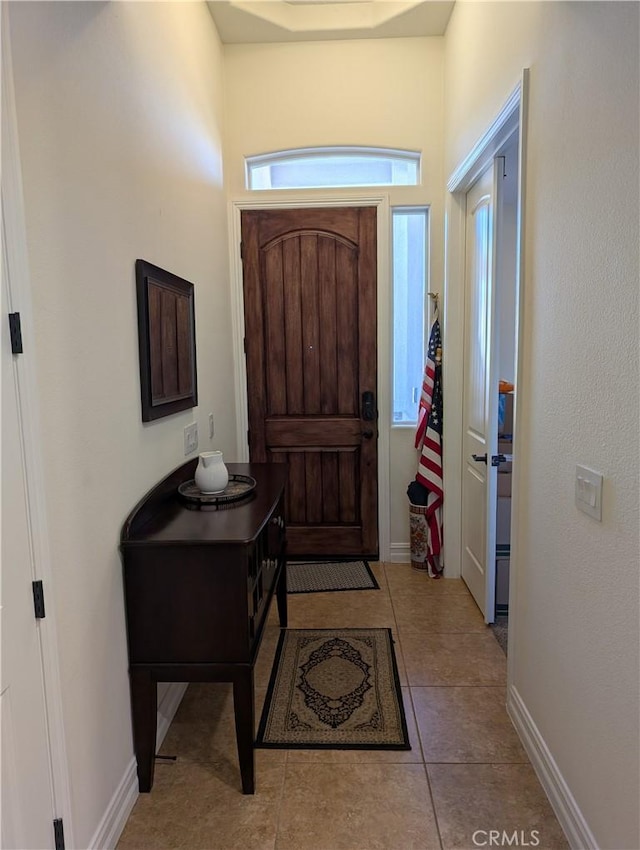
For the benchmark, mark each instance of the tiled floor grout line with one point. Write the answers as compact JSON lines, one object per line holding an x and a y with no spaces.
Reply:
{"x":415,"y":720}
{"x":426,"y":771}
{"x":420,"y":633}
{"x":476,"y":763}
{"x":398,"y":644}
{"x":433,"y":806}
{"x":454,"y":685}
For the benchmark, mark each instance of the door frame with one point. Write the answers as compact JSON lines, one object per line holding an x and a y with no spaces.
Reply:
{"x":511,"y":118}
{"x":19,"y":285}
{"x":383,"y":341}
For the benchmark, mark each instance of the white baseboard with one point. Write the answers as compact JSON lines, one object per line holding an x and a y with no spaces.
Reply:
{"x":167,"y":709}
{"x":110,"y":827}
{"x":115,"y":817}
{"x":399,"y":553}
{"x":562,"y":800}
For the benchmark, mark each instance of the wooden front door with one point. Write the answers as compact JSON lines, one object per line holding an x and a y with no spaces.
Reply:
{"x":310,"y":339}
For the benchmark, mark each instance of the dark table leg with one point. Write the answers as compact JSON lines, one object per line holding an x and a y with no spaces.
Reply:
{"x":243,"y":706}
{"x":144,"y":708}
{"x":281,"y":595}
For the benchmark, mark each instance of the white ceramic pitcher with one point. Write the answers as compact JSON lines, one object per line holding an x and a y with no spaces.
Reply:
{"x":211,"y":474}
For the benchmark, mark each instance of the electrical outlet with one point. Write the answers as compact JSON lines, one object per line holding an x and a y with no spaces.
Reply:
{"x":191,"y":438}
{"x":211,"y":428}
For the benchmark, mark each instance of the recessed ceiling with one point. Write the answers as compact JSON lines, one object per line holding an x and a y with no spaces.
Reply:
{"x":319,"y":20}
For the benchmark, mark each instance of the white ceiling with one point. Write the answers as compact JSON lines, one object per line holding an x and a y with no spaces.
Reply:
{"x":320,"y":20}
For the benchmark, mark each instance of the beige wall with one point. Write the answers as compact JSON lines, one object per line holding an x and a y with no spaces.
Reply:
{"x":120,"y":122}
{"x":574,"y":635}
{"x":382,"y":92}
{"x":385,"y":92}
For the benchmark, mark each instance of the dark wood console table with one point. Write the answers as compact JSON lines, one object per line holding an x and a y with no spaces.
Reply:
{"x":198,"y":584}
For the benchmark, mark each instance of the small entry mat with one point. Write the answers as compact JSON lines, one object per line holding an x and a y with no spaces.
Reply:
{"x":316,"y":577}
{"x":335,"y":689}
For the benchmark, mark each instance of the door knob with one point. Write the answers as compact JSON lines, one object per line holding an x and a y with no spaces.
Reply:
{"x":480,"y":458}
{"x":367,"y":434}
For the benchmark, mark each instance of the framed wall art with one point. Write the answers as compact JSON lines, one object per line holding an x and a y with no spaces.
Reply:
{"x":167,"y":341}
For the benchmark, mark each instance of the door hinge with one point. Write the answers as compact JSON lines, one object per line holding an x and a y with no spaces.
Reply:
{"x":248,"y":436}
{"x":38,"y":599}
{"x":58,"y":834}
{"x":15,"y":331}
{"x":244,"y":344}
{"x":242,"y":250}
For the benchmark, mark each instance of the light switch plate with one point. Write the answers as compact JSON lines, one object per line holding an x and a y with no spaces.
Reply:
{"x":191,"y":438}
{"x":589,"y":492}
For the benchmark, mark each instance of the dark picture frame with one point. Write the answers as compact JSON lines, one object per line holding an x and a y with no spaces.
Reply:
{"x":167,"y":342}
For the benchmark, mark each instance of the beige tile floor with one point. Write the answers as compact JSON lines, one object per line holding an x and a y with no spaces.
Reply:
{"x":466,"y":770}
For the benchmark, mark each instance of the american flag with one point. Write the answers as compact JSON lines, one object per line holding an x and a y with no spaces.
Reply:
{"x":429,"y":442}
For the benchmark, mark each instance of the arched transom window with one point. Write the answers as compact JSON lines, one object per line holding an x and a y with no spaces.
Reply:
{"x":334,"y":167}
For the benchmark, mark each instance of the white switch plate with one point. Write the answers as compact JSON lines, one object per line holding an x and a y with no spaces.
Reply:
{"x":211,"y":428}
{"x":191,"y":438}
{"x":589,"y":492}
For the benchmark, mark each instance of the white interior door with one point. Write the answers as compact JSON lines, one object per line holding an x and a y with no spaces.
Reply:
{"x":26,"y":785}
{"x":480,"y":413}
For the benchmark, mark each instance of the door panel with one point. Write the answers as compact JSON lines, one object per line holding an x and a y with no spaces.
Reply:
{"x":475,"y":535}
{"x":310,"y":328}
{"x":478,"y":509}
{"x":27,"y":793}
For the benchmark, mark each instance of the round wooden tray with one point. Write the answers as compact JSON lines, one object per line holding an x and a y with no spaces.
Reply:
{"x":239,"y":487}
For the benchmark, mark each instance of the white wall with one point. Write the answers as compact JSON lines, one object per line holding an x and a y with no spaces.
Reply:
{"x":120,"y":121}
{"x":380,"y":92}
{"x":574,"y":636}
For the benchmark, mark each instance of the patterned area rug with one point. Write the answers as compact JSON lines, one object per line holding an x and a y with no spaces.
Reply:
{"x":334,"y":689}
{"x":312,"y":577}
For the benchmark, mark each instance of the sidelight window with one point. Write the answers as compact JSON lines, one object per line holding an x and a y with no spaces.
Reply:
{"x":409,"y":252}
{"x":335,"y":167}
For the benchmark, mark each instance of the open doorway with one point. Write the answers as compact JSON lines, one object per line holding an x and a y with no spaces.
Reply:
{"x":490,"y":285}
{"x":506,"y":288}
{"x":489,"y":370}
{"x":482,"y":314}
